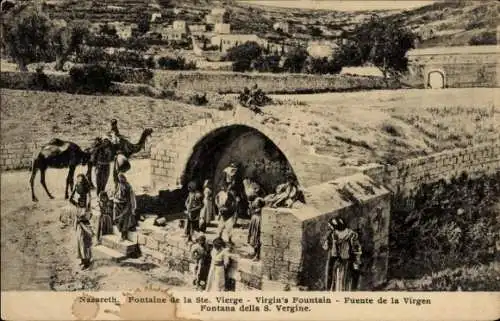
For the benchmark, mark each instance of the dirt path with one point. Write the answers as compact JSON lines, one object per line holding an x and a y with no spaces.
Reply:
{"x":38,"y":254}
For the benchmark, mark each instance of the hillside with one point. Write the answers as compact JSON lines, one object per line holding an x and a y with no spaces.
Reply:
{"x":352,"y":128}
{"x":444,"y":23}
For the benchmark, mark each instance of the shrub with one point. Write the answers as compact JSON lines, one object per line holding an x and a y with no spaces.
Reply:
{"x":295,"y":60}
{"x":243,"y":55}
{"x":270,"y":63}
{"x":132,"y":75}
{"x":178,"y":63}
{"x":485,"y":38}
{"x":444,"y":225}
{"x":322,"y":66}
{"x":91,"y":55}
{"x":91,"y":78}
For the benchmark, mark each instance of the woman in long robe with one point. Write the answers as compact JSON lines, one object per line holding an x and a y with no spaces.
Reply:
{"x":344,"y":257}
{"x":82,"y":225}
{"x":124,"y":206}
{"x":255,"y":212}
{"x":216,"y":281}
{"x":208,"y":211}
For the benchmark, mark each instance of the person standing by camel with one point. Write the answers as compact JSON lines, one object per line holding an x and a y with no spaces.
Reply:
{"x":101,"y":159}
{"x":124,"y":206}
{"x":82,"y":225}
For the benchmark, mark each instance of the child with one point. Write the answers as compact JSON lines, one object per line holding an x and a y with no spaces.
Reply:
{"x":201,"y":254}
{"x":106,"y":219}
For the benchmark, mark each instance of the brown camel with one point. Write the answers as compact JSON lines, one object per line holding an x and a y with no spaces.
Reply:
{"x":58,"y":154}
{"x":119,"y":155}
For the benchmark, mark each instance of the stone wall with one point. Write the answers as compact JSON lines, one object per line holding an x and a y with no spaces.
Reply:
{"x":232,"y":82}
{"x":459,"y":70}
{"x":408,"y":175}
{"x":20,"y":155}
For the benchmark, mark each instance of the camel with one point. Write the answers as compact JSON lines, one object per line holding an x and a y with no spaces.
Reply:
{"x":58,"y":154}
{"x":121,"y":153}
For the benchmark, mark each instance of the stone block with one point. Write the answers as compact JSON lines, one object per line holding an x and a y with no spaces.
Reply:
{"x":141,"y":239}
{"x":152,"y":244}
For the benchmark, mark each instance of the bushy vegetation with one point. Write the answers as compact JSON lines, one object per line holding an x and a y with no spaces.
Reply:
{"x":381,"y":42}
{"x":25,"y":36}
{"x":91,"y":78}
{"x":445,"y":226}
{"x":178,"y":63}
{"x":250,"y":56}
{"x":485,"y":38}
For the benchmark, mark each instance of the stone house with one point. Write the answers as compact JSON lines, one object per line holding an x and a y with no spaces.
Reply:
{"x":283,"y":26}
{"x":449,"y":67}
{"x":174,"y":34}
{"x":179,"y":25}
{"x":222,"y":28}
{"x":226,"y":42}
{"x":197,"y":28}
{"x":217,"y":15}
{"x":123,"y":30}
{"x":320,"y":49}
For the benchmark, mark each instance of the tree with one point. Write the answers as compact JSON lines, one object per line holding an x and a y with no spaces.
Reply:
{"x":316,"y":32}
{"x":295,"y":59}
{"x":382,"y":42}
{"x":66,"y":39}
{"x":25,"y":36}
{"x":243,"y":55}
{"x":143,"y":23}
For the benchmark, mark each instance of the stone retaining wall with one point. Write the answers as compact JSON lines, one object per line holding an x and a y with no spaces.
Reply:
{"x":234,"y":82}
{"x":20,"y":155}
{"x":409,"y":174}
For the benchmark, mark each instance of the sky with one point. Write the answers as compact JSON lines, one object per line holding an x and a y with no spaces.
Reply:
{"x":343,"y":5}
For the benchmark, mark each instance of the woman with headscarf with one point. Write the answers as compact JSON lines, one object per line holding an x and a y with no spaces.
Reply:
{"x":216,"y":281}
{"x":82,"y":225}
{"x":344,"y":257}
{"x":124,"y":206}
{"x":208,"y":211}
{"x":255,"y":211}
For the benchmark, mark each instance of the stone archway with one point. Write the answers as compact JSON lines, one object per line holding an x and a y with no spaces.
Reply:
{"x":202,"y":150}
{"x":256,"y":155}
{"x":436,"y":79}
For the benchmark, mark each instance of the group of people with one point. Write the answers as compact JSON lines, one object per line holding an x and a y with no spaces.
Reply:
{"x":118,"y":210}
{"x":234,"y":198}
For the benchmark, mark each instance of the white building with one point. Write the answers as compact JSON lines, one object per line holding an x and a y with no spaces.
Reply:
{"x":179,"y":25}
{"x":155,"y":16}
{"x":283,"y":26}
{"x":320,"y":49}
{"x":217,"y":15}
{"x":226,"y":42}
{"x":123,"y":30}
{"x":197,"y":28}
{"x":222,"y":28}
